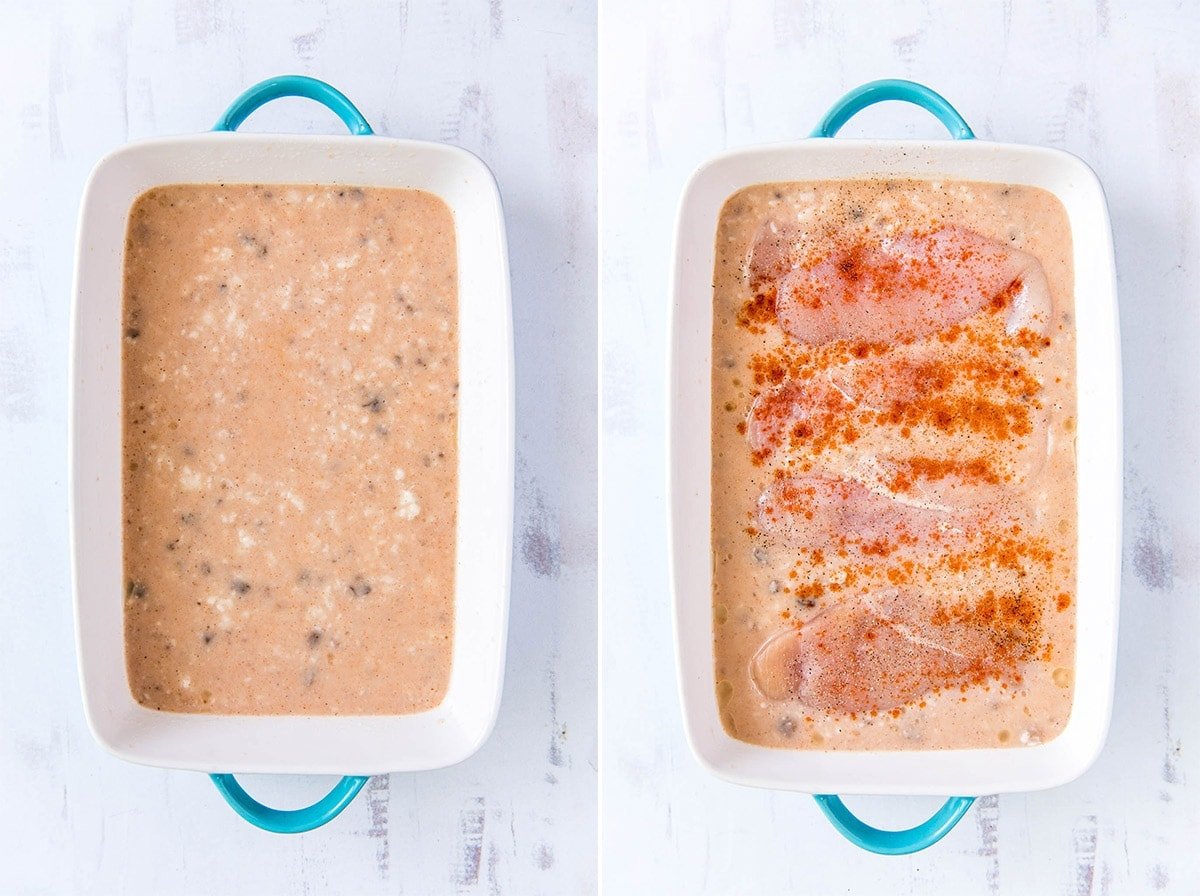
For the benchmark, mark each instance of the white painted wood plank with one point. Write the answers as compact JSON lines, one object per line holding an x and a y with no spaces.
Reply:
{"x":1118,"y":84}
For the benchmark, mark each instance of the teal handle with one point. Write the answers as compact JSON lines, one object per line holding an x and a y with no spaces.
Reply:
{"x":894,"y":843}
{"x":293,"y":85}
{"x":893,"y":89}
{"x":289,"y":821}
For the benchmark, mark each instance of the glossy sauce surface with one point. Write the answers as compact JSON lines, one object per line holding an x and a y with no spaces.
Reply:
{"x":290,"y":367}
{"x":893,"y":465}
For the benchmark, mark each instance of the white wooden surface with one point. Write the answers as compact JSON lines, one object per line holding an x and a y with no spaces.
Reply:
{"x":1117,"y":83}
{"x":514,"y":82}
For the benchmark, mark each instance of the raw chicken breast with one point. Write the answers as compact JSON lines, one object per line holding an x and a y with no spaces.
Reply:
{"x":934,"y":424}
{"x":820,"y":512}
{"x":896,"y":287}
{"x":878,"y":652}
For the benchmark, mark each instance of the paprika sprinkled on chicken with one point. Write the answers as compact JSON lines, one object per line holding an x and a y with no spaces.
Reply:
{"x":884,"y":287}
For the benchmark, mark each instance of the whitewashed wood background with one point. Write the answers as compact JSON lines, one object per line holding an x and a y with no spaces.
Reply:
{"x":515,"y":83}
{"x":1117,"y":83}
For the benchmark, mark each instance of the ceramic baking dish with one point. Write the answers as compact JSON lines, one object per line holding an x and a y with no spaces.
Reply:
{"x":941,"y":772}
{"x":352,"y":746}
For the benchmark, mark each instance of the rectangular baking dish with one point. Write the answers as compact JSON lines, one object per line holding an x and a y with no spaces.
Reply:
{"x":945,"y":772}
{"x":359,"y":745}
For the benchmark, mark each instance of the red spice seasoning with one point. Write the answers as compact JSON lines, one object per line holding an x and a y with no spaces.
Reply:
{"x":759,"y":312}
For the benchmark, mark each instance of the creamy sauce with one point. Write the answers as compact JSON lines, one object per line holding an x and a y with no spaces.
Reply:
{"x":893,"y":477}
{"x":290,"y":364}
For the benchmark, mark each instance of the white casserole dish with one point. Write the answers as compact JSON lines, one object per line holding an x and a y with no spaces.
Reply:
{"x":943,"y":772}
{"x":295,"y":744}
